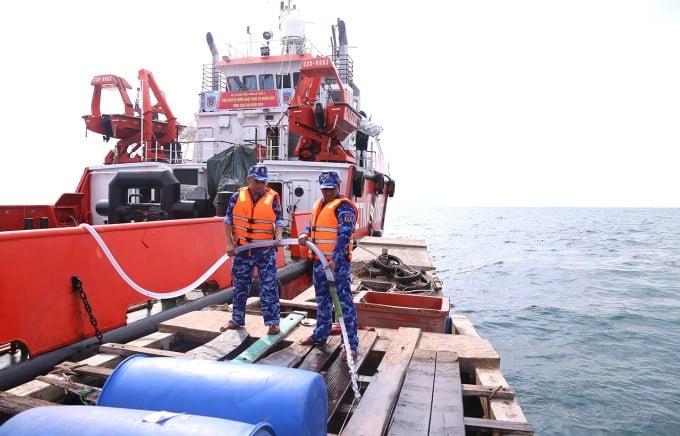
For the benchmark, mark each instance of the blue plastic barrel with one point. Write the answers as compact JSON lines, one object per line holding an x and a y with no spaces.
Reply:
{"x":107,"y":421}
{"x":293,"y":401}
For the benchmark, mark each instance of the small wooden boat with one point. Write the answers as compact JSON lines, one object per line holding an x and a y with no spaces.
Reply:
{"x":420,"y":369}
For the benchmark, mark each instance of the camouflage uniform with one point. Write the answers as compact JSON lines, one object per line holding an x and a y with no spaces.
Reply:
{"x":346,"y":219}
{"x":242,"y":274}
{"x":264,"y":259}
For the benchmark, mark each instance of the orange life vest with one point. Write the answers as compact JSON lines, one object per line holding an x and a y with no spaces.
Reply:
{"x":253,"y":222}
{"x":324,"y":229}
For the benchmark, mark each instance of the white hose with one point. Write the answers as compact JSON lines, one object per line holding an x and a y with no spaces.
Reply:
{"x":188,"y":288}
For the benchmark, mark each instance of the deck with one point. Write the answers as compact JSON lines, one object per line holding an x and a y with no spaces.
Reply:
{"x":410,"y":381}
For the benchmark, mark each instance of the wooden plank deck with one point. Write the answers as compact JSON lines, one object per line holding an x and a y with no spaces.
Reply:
{"x":411,"y":252}
{"x":409,"y":381}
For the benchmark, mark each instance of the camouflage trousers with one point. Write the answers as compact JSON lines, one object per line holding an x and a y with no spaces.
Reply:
{"x":324,"y":301}
{"x":242,"y":269}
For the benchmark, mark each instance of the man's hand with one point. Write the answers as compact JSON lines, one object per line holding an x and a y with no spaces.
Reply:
{"x":231,"y":250}
{"x":330,"y":265}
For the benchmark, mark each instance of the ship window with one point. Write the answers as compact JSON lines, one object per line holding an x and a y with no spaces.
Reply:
{"x":283,"y":81}
{"x":250,"y":82}
{"x":266,"y":81}
{"x":296,"y":77}
{"x":234,"y":84}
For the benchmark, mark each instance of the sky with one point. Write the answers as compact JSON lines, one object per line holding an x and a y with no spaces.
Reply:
{"x":483,"y":103}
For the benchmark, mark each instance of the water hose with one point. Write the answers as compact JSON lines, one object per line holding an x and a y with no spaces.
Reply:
{"x":338,"y":311}
{"x":192,"y":286}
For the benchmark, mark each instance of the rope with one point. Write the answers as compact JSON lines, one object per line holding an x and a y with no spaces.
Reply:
{"x":404,"y":278}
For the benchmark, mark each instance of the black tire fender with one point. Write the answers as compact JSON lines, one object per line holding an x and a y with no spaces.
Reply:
{"x":357,"y":183}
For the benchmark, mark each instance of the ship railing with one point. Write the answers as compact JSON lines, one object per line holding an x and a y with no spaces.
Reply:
{"x":345,"y":65}
{"x":213,"y":79}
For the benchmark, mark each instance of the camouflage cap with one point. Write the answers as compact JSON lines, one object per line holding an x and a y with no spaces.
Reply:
{"x":329,"y":179}
{"x":259,"y":172}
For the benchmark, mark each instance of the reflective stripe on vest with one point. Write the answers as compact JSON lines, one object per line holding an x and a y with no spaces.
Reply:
{"x":324,"y":230}
{"x":253,"y":222}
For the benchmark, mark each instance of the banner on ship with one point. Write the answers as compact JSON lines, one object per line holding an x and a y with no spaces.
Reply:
{"x":249,"y":99}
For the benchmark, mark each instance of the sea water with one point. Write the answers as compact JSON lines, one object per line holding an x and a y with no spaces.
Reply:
{"x":582,"y":305}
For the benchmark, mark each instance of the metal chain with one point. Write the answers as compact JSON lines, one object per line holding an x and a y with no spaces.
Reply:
{"x":77,"y":285}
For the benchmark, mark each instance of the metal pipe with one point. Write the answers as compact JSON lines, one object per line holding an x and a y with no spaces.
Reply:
{"x":28,"y":370}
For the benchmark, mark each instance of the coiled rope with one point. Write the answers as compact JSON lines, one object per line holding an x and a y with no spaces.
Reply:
{"x":404,"y":278}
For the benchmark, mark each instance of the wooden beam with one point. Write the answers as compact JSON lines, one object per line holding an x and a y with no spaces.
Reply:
{"x":373,"y":412}
{"x":129,"y":350}
{"x":13,"y":404}
{"x":502,"y":427}
{"x":491,"y":392}
{"x":447,"y":396}
{"x":338,"y":378}
{"x":496,"y":407}
{"x":412,"y":413}
{"x":472,"y":352}
{"x":83,"y":369}
{"x":221,"y":346}
{"x":85,"y":392}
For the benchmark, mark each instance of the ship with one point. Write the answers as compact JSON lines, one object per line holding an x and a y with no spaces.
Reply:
{"x":154,"y":205}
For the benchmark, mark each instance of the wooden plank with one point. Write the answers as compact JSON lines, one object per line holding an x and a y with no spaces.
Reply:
{"x":373,"y":412}
{"x":319,"y":355}
{"x":499,"y":408}
{"x":260,"y":347}
{"x":304,"y":301}
{"x":411,"y":252}
{"x":472,"y":352}
{"x":498,"y":392}
{"x":204,"y":325}
{"x":503,"y":427}
{"x":338,"y":377}
{"x":298,"y":305}
{"x":85,"y":392}
{"x":69,"y":368}
{"x":13,"y":404}
{"x":221,"y":346}
{"x":447,"y":397}
{"x":463,"y":326}
{"x":198,"y":326}
{"x":290,"y":356}
{"x":308,"y":295}
{"x":412,"y":413}
{"x":129,"y":350}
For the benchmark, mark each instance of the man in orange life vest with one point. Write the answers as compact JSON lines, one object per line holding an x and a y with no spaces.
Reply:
{"x":254,"y":213}
{"x":331,"y":229}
